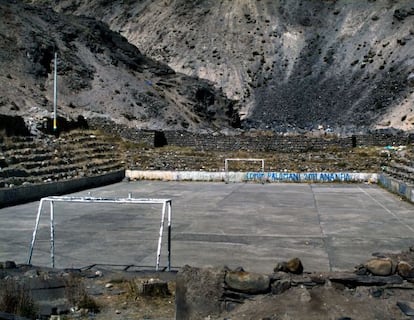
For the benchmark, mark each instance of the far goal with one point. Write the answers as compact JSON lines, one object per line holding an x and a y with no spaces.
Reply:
{"x":227,"y":169}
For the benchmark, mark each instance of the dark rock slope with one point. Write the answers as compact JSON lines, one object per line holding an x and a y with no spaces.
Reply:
{"x":296,"y":63}
{"x":100,"y":74}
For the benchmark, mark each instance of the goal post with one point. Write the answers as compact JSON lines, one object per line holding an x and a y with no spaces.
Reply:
{"x":226,"y":166}
{"x":165,"y":213}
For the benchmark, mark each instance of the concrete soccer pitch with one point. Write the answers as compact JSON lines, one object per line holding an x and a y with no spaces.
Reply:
{"x":330,"y":227}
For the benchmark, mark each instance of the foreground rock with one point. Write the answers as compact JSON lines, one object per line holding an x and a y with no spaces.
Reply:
{"x":380,"y":267}
{"x":214,"y":293}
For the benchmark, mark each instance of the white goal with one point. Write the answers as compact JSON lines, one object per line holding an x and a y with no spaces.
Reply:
{"x":226,"y":166}
{"x":166,"y":211}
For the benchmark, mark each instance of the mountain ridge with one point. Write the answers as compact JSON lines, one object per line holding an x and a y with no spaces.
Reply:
{"x":290,"y":64}
{"x":100,"y":75}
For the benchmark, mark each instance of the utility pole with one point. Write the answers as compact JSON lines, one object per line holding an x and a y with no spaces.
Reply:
{"x":55,"y":94}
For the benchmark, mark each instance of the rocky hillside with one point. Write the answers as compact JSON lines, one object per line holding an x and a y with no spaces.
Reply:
{"x":291,"y":64}
{"x":100,"y":74}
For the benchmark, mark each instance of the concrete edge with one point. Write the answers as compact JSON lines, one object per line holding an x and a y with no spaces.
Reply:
{"x":270,"y":177}
{"x":403,"y":189}
{"x":27,"y":193}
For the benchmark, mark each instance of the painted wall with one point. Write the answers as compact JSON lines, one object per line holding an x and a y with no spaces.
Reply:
{"x":403,"y":189}
{"x":269,"y":177}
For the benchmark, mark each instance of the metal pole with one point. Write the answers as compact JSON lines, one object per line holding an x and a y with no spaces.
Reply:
{"x":55,"y":95}
{"x":263,"y":172}
{"x":39,"y":211}
{"x":226,"y":171}
{"x":160,"y":237}
{"x":169,"y":235}
{"x":52,"y":235}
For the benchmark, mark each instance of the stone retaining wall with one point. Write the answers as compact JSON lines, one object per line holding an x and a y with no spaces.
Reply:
{"x":253,"y":141}
{"x":280,"y":143}
{"x":141,"y":136}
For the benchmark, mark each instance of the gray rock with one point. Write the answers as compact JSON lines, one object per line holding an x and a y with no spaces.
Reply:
{"x":10,"y":265}
{"x":305,"y":296}
{"x":280,"y":286}
{"x":292,"y":266}
{"x":247,"y":282}
{"x":199,"y":292}
{"x":353,"y":280}
{"x":31,"y":273}
{"x":405,"y":270}
{"x":380,"y":267}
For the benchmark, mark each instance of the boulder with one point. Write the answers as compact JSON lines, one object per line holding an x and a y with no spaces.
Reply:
{"x":247,"y":282}
{"x":292,"y":266}
{"x":199,"y":292}
{"x":380,"y":266}
{"x":10,"y":265}
{"x":405,"y":270}
{"x":280,"y":286}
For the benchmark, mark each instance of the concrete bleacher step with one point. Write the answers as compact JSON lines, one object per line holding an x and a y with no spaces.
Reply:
{"x":408,"y":162}
{"x":401,"y":169}
{"x":73,"y":155}
{"x":17,"y":143}
{"x":13,"y":172}
{"x":25,"y":152}
{"x":29,"y":158}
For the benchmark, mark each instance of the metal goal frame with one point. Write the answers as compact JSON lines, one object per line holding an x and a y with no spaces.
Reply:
{"x":166,"y":211}
{"x":226,"y":166}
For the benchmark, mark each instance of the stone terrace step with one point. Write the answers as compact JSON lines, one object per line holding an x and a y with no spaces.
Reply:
{"x":409,"y":162}
{"x":401,"y":167}
{"x":13,"y":172}
{"x":26,"y":151}
{"x":400,"y":172}
{"x":10,"y":144}
{"x":27,"y":158}
{"x":77,"y":154}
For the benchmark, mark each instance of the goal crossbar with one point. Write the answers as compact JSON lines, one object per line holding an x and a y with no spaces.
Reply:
{"x":166,"y":211}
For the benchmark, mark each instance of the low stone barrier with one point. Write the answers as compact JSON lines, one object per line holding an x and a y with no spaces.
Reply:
{"x":396,"y":186}
{"x":251,"y":176}
{"x":33,"y":192}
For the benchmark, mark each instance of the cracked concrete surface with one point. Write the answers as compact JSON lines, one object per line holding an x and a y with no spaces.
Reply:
{"x":330,"y":227}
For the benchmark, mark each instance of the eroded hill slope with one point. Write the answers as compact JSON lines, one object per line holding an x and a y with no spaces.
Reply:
{"x":100,"y":74}
{"x":296,"y":63}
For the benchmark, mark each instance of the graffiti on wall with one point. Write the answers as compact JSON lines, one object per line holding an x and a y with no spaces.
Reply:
{"x":299,"y":177}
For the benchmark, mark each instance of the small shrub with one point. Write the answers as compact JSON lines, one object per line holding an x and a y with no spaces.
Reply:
{"x":16,"y":299}
{"x":133,"y":290}
{"x":78,"y":296}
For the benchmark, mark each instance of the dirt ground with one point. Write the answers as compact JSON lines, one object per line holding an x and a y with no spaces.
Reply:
{"x":297,"y":303}
{"x":329,"y":301}
{"x":120,"y":295}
